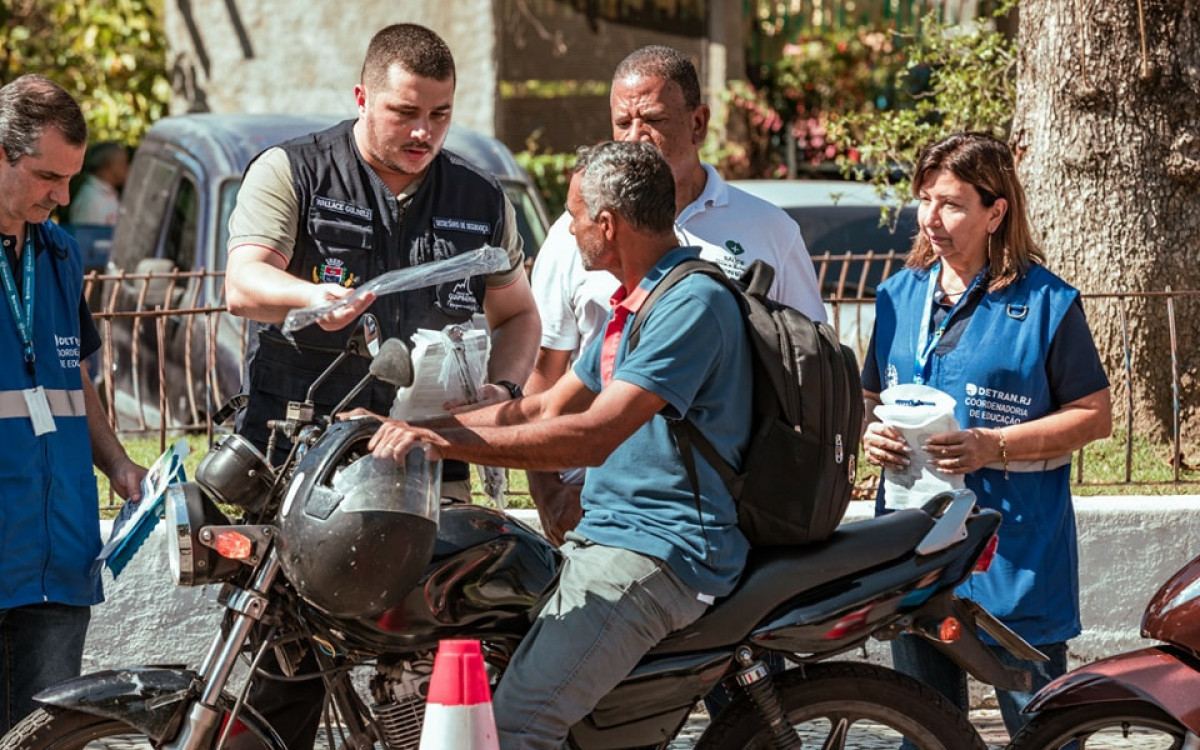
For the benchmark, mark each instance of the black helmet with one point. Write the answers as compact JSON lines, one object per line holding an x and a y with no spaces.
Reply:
{"x":356,"y":533}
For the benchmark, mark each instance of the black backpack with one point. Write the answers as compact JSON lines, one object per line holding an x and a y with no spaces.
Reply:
{"x":801,"y":461}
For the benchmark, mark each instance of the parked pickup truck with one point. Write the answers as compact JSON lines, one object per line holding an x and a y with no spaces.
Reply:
{"x":171,"y":351}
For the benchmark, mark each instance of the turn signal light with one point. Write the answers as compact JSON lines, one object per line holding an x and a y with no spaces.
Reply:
{"x":232,"y":545}
{"x":950,"y":630}
{"x":989,"y":553}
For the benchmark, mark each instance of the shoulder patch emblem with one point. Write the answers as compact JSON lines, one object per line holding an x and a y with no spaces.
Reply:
{"x":332,"y":271}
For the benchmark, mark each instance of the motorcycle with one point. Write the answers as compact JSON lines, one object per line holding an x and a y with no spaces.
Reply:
{"x":1151,"y":695}
{"x":370,"y":599}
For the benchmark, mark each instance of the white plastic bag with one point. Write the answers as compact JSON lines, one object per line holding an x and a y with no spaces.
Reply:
{"x":918,"y":412}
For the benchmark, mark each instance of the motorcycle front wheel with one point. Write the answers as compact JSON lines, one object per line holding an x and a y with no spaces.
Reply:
{"x":57,"y":728}
{"x":848,"y":705}
{"x":54,"y":728}
{"x":1100,"y":726}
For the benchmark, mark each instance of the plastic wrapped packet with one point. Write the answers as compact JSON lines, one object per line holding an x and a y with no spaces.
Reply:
{"x":494,"y":480}
{"x":448,"y":365}
{"x":918,"y":412}
{"x":485,"y":260}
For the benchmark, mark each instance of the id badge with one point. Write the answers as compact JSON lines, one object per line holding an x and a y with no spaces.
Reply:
{"x":39,"y":410}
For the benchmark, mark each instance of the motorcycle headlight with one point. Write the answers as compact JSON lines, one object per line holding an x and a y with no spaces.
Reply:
{"x":188,"y":510}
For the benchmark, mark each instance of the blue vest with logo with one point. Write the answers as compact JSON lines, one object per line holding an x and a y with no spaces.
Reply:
{"x":997,"y":374}
{"x":49,"y":512}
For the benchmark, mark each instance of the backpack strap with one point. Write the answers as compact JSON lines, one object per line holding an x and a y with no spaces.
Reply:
{"x":685,"y":433}
{"x":682,"y":270}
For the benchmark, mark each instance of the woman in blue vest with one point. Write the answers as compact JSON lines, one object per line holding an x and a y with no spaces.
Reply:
{"x":976,"y":314}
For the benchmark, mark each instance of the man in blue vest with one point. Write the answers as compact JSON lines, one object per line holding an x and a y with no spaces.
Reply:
{"x":323,"y":214}
{"x":50,"y":414}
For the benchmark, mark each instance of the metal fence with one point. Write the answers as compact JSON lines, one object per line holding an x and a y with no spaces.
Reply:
{"x":172,"y":354}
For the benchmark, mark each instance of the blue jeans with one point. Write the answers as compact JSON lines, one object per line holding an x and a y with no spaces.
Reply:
{"x":40,"y":645}
{"x":609,"y":608}
{"x":918,"y":658}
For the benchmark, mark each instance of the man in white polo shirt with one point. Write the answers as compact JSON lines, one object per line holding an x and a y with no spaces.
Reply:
{"x":656,"y":98}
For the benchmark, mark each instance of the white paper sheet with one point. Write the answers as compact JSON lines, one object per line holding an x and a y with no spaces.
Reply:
{"x":444,"y":369}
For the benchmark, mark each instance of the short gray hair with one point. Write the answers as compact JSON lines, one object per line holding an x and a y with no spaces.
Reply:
{"x":28,"y":106}
{"x":668,"y":63}
{"x":632,"y":180}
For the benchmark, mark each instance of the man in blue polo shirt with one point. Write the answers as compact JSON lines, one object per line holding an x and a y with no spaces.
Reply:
{"x":648,"y":558}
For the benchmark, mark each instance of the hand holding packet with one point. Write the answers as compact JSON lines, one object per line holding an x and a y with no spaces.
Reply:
{"x":485,"y":260}
{"x":918,"y":412}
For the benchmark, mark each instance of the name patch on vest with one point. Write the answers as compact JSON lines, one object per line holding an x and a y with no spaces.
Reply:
{"x":462,"y":225}
{"x":68,"y":351}
{"x":996,"y":406}
{"x":342,"y":207}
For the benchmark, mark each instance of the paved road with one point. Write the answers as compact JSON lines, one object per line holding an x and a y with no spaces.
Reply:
{"x":986,"y":721}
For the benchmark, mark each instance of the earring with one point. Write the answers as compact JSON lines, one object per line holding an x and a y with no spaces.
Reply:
{"x":989,"y":248}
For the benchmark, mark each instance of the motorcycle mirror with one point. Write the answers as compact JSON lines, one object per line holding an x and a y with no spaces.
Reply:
{"x":370,"y":331}
{"x":393,"y":364}
{"x":365,"y":339}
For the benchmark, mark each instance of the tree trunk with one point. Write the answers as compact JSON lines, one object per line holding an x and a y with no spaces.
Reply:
{"x":1106,"y":131}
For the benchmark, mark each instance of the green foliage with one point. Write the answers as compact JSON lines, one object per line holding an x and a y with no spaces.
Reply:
{"x":110,"y":54}
{"x":961,"y":78}
{"x":543,"y":89}
{"x":817,"y":79}
{"x":825,"y":76}
{"x":551,"y":172}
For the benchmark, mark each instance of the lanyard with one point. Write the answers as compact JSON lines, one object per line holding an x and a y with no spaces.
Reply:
{"x":24,"y":317}
{"x":922,"y":372}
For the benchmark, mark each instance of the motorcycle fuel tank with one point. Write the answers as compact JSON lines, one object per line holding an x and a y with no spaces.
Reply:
{"x":487,"y":572}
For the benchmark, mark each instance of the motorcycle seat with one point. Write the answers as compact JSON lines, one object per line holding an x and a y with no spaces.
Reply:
{"x":774,"y":575}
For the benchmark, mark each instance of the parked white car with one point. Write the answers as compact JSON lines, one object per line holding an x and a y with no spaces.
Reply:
{"x":838,"y":220}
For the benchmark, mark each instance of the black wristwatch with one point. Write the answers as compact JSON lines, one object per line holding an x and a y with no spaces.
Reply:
{"x":513,"y":389}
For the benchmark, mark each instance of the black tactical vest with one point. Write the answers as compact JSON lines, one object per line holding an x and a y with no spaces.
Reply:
{"x":350,"y":230}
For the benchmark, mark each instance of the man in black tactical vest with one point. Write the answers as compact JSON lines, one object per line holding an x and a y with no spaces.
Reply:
{"x":321,"y":214}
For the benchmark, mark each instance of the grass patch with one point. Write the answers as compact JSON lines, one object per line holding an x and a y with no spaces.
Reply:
{"x":1151,"y":472}
{"x":145,"y":450}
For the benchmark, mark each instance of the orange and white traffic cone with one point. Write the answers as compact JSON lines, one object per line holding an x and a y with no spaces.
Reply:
{"x":458,"y":711}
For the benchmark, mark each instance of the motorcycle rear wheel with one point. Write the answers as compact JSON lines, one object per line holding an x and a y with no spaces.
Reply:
{"x":848,"y":705}
{"x":1099,"y":726}
{"x":55,"y":728}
